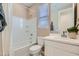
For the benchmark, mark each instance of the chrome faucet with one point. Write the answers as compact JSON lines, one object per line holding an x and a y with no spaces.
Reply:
{"x":64,"y":34}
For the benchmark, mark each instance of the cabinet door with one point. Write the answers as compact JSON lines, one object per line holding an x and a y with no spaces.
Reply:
{"x":58,"y":49}
{"x":49,"y":51}
{"x":54,"y":51}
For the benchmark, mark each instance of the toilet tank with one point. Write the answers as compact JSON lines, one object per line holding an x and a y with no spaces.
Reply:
{"x":40,"y":41}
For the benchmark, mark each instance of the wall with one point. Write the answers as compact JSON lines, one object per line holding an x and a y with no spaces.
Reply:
{"x":32,"y":12}
{"x":54,"y":19}
{"x":1,"y":51}
{"x":19,"y":10}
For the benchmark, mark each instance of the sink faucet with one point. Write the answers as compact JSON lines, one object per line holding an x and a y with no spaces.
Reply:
{"x":64,"y":34}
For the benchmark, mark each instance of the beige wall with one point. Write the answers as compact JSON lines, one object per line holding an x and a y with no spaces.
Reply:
{"x":43,"y":32}
{"x":23,"y":11}
{"x":19,"y":10}
{"x":32,"y":12}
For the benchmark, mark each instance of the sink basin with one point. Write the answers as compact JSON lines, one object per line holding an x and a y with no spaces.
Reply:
{"x":59,"y":38}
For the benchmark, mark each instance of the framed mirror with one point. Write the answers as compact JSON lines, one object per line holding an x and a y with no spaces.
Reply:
{"x":62,"y":16}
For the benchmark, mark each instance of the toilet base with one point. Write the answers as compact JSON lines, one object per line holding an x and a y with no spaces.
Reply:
{"x":35,"y":50}
{"x":36,"y":54}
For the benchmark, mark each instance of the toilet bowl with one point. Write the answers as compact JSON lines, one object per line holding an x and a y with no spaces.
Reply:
{"x":35,"y":50}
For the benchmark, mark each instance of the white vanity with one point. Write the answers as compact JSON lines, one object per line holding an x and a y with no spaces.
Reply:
{"x":55,"y":45}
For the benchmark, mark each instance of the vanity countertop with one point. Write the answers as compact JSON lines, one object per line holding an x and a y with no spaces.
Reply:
{"x":58,"y":38}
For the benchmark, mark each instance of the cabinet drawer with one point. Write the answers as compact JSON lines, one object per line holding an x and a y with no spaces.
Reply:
{"x":66,"y":47}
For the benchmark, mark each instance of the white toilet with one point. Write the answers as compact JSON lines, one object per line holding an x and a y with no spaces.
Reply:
{"x":35,"y":50}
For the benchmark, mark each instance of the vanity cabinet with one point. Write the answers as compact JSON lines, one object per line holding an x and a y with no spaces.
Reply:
{"x":54,"y":48}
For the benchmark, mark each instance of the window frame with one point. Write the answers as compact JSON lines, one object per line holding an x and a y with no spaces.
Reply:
{"x":46,"y":16}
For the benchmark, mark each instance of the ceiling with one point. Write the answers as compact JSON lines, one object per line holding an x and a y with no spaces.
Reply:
{"x":28,"y":4}
{"x":59,"y":6}
{"x":54,"y":5}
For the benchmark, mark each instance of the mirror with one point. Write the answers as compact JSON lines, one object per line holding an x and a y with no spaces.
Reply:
{"x":62,"y":16}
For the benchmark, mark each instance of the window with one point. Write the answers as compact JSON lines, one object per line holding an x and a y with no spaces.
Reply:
{"x":43,"y":16}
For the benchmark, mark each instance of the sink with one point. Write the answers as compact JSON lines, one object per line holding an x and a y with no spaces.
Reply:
{"x":58,"y":36}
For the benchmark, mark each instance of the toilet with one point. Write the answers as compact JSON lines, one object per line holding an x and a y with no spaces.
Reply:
{"x":35,"y":50}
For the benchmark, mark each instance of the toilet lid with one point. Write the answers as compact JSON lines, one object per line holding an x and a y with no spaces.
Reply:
{"x":35,"y":47}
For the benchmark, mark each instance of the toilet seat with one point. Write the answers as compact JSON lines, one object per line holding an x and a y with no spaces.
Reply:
{"x":35,"y":50}
{"x":35,"y":47}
